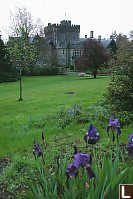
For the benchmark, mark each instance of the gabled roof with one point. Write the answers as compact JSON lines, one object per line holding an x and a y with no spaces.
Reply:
{"x":105,"y":42}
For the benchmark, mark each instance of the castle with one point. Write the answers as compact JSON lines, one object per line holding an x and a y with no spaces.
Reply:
{"x":67,"y":42}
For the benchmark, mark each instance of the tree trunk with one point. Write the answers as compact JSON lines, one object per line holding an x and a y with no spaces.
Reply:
{"x":94,"y":75}
{"x":20,"y":86}
{"x":95,"y":72}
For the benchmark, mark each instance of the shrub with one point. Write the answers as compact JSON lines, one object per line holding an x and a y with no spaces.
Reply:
{"x":120,"y":93}
{"x":25,"y":72}
{"x":49,"y":71}
{"x":62,"y":70}
{"x":8,"y":72}
{"x":82,"y":115}
{"x":43,"y":71}
{"x":9,"y":77}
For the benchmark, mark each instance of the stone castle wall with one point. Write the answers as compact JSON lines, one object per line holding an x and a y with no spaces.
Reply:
{"x":66,"y":38}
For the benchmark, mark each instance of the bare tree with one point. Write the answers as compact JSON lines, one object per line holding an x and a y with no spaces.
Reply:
{"x":21,"y":22}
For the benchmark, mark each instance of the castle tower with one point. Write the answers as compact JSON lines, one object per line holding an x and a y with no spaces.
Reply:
{"x":63,"y":32}
{"x":63,"y":35}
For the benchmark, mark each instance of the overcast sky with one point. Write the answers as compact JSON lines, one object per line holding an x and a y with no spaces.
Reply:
{"x":101,"y":16}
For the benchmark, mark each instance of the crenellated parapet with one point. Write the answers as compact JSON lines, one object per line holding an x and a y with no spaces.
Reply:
{"x":62,"y":32}
{"x":64,"y":26}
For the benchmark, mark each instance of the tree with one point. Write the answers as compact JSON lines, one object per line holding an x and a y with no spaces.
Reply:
{"x":123,"y":61}
{"x":93,"y":57}
{"x":23,"y":52}
{"x":131,"y":34}
{"x":44,"y":51}
{"x":122,"y":42}
{"x":7,"y":71}
{"x":120,"y":90}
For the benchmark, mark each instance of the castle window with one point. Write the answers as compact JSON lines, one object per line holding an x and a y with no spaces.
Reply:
{"x":76,"y":53}
{"x":63,"y":52}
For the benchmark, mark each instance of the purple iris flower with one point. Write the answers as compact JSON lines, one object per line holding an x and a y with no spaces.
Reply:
{"x":39,"y":151}
{"x":130,"y":145}
{"x":114,"y":125}
{"x":83,"y":160}
{"x":71,"y":170}
{"x":93,"y":135}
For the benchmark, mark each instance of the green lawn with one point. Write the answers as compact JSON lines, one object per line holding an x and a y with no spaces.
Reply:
{"x":47,"y":94}
{"x":43,"y":97}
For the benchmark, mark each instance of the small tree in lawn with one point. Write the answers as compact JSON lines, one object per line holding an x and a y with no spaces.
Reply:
{"x":93,"y":57}
{"x":23,"y":53}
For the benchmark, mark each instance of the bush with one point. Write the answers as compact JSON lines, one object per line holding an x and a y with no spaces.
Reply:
{"x":105,"y":71}
{"x":41,"y":71}
{"x":62,"y":69}
{"x":120,"y":93}
{"x":25,"y":72}
{"x":8,"y":77}
{"x":8,"y":72}
{"x":82,"y":115}
{"x":49,"y":71}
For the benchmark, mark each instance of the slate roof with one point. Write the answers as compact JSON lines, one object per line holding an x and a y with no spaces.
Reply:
{"x":105,"y":42}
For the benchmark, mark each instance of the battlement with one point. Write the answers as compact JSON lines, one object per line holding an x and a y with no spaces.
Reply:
{"x":65,"y":23}
{"x":64,"y":26}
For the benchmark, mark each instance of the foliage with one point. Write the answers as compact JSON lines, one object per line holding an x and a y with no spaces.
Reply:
{"x":82,"y":115}
{"x":93,"y":57}
{"x":46,"y":71}
{"x":120,"y":90}
{"x":125,"y":118}
{"x":105,"y":71}
{"x":7,"y":71}
{"x":120,"y":93}
{"x":122,"y":42}
{"x":100,"y":113}
{"x":23,"y":53}
{"x":110,"y":174}
{"x":45,"y":52}
{"x":22,"y":50}
{"x":123,"y":61}
{"x":41,"y":71}
{"x":61,"y":69}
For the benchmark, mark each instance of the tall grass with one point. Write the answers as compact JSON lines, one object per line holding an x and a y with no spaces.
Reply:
{"x":110,"y":174}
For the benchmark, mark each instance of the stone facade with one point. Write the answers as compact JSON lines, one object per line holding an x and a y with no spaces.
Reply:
{"x":66,"y":40}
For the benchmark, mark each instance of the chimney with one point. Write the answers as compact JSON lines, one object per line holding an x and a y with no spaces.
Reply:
{"x":91,"y":34}
{"x":99,"y":38}
{"x":85,"y":36}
